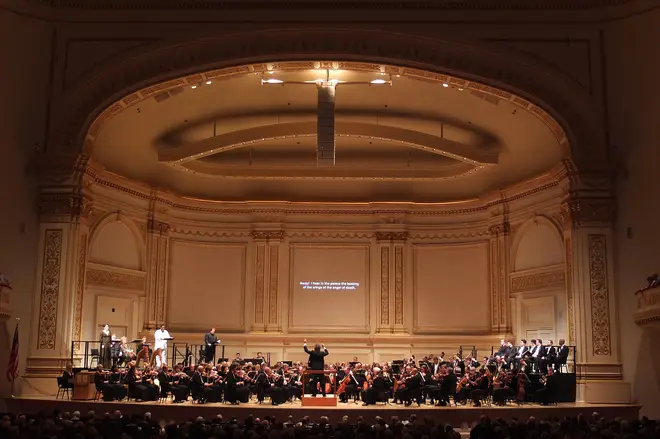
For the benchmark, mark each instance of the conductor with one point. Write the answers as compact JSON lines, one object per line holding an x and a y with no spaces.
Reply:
{"x":316,"y":363}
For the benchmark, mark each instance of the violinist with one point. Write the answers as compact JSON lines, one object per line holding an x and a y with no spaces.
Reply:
{"x":502,"y":387}
{"x":413,"y":389}
{"x":465,"y":386}
{"x":262,"y":383}
{"x":102,"y":383}
{"x":179,"y":384}
{"x":483,"y":384}
{"x":236,"y":390}
{"x":355,"y":384}
{"x":447,"y":386}
{"x":150,"y":388}
{"x":295,"y":385}
{"x":277,"y":393}
{"x":201,"y":390}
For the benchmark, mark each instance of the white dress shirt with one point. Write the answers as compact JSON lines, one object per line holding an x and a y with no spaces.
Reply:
{"x":159,"y":336}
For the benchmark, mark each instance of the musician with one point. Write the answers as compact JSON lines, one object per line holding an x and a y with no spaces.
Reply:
{"x":115,"y":349}
{"x":142,"y":351}
{"x":546,"y":394}
{"x":148,"y":386}
{"x":562,"y":355}
{"x":106,"y":347}
{"x":238,"y":359}
{"x":413,"y":389}
{"x":316,"y":363}
{"x":260,"y":358}
{"x":210,"y":342}
{"x":377,"y":389}
{"x":522,"y":350}
{"x":278,"y":394}
{"x":67,"y":376}
{"x":126,"y":353}
{"x":538,"y":352}
{"x":549,"y":355}
{"x":102,"y":384}
{"x":502,"y":350}
{"x":160,"y":342}
{"x":236,"y":390}
{"x":200,"y":387}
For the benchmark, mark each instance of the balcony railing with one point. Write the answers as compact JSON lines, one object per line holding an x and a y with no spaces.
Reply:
{"x":648,"y":308}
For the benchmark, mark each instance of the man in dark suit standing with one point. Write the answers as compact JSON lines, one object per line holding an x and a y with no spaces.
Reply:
{"x":210,"y":341}
{"x":316,"y":363}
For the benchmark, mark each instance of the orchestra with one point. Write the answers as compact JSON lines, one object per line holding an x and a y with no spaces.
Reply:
{"x":511,"y":374}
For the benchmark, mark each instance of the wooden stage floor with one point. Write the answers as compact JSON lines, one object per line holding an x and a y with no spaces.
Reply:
{"x":460,"y":417}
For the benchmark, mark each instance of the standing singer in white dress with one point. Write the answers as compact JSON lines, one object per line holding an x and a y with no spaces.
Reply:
{"x":160,"y":342}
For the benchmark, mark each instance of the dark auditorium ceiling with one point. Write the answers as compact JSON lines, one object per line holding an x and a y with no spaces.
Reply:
{"x":424,"y":137}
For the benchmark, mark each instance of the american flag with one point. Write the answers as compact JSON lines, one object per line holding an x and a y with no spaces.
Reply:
{"x":12,"y":366}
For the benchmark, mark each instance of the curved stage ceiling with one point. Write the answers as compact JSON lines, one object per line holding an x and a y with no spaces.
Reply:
{"x":418,"y":136}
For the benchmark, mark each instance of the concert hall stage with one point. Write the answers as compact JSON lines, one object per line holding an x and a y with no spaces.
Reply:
{"x":456,"y":416}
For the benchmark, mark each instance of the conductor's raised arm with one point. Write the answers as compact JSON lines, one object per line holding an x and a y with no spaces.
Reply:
{"x":305,"y":346}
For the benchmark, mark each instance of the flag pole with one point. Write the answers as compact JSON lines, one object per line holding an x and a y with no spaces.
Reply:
{"x":13,"y":395}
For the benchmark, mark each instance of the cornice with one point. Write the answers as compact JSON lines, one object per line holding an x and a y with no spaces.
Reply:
{"x":440,"y":5}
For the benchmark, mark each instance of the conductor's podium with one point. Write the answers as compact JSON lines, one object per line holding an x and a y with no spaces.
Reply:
{"x":329,"y":400}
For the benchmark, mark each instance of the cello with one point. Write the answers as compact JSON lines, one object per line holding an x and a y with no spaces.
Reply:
{"x":343,"y":384}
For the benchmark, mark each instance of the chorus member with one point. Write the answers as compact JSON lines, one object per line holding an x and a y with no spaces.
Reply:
{"x":316,"y":363}
{"x":210,"y":342}
{"x":106,"y":347}
{"x":562,"y":354}
{"x":160,"y":342}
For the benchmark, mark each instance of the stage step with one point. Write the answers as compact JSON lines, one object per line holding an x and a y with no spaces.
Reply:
{"x":319,"y":401}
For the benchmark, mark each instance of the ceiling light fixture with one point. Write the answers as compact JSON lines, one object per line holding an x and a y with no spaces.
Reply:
{"x":445,"y":85}
{"x":379,"y":81}
{"x":208,"y":82}
{"x":271,"y":81}
{"x":193,"y":87}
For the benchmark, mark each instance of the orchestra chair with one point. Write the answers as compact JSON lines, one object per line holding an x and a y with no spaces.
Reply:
{"x":95,"y":354}
{"x":62,"y":388}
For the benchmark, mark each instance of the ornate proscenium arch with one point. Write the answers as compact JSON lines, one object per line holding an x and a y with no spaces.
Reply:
{"x":112,"y":87}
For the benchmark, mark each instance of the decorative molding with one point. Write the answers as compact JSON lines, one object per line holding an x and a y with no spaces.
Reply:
{"x":570,"y":301}
{"x":291,"y":66}
{"x":398,"y":285}
{"x":370,"y":5}
{"x":80,"y":289}
{"x":538,"y":281}
{"x":115,"y":279}
{"x":330,"y":235}
{"x":163,"y":257}
{"x":504,"y":302}
{"x":63,"y":207}
{"x":384,"y":285}
{"x":259,"y":285}
{"x":273,"y":283}
{"x":50,"y":289}
{"x":391,"y":236}
{"x":599,"y":294}
{"x":584,"y":212}
{"x":268,"y":235}
{"x":210,"y":233}
{"x":499,"y":229}
{"x":156,"y":226}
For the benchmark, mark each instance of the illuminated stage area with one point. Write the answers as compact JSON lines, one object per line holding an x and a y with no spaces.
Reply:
{"x":457,"y":416}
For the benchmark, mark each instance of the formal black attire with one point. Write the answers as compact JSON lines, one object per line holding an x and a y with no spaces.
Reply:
{"x":105,"y":353}
{"x":562,"y":356}
{"x":210,"y":341}
{"x":546,"y":394}
{"x":377,"y":391}
{"x":316,"y":363}
{"x":262,"y":386}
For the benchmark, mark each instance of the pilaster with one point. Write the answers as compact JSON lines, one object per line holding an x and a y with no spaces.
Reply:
{"x":591,"y":303}
{"x":64,"y":207}
{"x":391,"y":315}
{"x":158,"y":249}
{"x":499,"y":271}
{"x":267,"y":298}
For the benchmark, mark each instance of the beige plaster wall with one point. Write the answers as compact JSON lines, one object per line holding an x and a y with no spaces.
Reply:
{"x":25,"y":53}
{"x":633,"y":69}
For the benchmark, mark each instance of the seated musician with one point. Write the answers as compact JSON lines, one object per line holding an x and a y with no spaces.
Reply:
{"x":115,"y":382}
{"x":262,"y":384}
{"x":101,"y":383}
{"x":429,"y":386}
{"x":164,"y":381}
{"x":546,"y":394}
{"x":200,"y":388}
{"x":67,"y":376}
{"x":236,"y":390}
{"x":277,"y":393}
{"x":482,"y":388}
{"x":143,"y":352}
{"x":179,"y":384}
{"x":150,"y":389}
{"x":447,"y":387}
{"x":502,"y":387}
{"x":549,"y":356}
{"x":355,"y":384}
{"x":466,"y":385}
{"x":400,"y":384}
{"x":413,"y":389}
{"x":562,"y":355}
{"x":377,"y":390}
{"x":295,"y":383}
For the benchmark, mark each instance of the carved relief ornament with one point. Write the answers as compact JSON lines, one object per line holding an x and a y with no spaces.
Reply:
{"x":114,"y":279}
{"x":538,"y":281}
{"x":582,"y":212}
{"x":391,"y":236}
{"x":499,"y":229}
{"x":599,"y":294}
{"x":58,"y":206}
{"x":268,"y":235}
{"x":50,"y":289}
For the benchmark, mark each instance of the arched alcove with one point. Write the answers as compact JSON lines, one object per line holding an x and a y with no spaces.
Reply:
{"x":539,"y":245}
{"x":115,"y":244}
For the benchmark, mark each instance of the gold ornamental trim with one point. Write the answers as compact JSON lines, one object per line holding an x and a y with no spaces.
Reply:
{"x":115,"y":279}
{"x":538,"y":281}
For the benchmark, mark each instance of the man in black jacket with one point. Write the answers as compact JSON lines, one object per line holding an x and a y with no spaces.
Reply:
{"x":316,"y":363}
{"x":210,"y":341}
